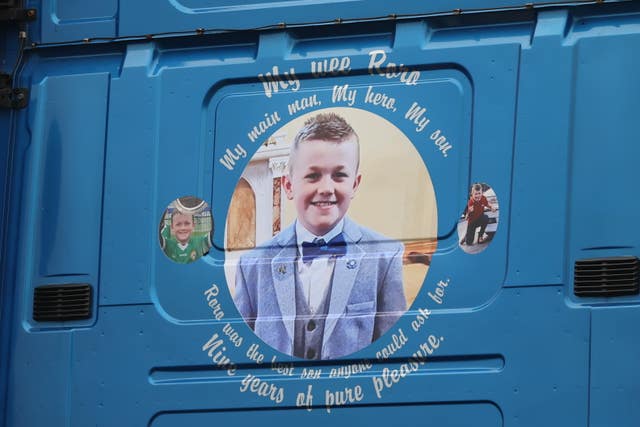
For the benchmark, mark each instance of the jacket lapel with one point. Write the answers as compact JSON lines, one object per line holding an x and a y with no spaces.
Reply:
{"x":344,"y":278}
{"x":283,"y":276}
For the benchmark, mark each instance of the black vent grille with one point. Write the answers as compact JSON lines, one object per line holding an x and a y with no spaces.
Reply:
{"x":58,"y":303}
{"x":607,"y":277}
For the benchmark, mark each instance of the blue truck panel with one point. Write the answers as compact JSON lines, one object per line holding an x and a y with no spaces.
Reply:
{"x":492,"y":175}
{"x":71,"y":21}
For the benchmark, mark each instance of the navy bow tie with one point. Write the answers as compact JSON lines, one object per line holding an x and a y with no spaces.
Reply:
{"x":312,"y":250}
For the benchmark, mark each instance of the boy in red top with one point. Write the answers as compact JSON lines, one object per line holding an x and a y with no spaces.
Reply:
{"x":475,"y":214}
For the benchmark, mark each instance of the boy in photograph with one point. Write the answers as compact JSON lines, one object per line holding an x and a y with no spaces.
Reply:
{"x":179,"y":243}
{"x":476,"y":216}
{"x":325,"y":286}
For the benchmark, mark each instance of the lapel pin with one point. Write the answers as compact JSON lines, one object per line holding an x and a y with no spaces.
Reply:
{"x":351,"y":264}
{"x":282,"y":269}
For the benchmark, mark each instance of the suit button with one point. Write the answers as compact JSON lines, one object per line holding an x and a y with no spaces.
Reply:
{"x":311,"y":325}
{"x":311,"y":353}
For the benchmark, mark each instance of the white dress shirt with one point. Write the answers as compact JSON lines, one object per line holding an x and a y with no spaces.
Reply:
{"x":315,"y":276}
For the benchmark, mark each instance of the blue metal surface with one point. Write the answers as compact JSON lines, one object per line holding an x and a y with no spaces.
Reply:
{"x":539,"y":103}
{"x":614,"y":353}
{"x":9,"y":62}
{"x":73,"y":20}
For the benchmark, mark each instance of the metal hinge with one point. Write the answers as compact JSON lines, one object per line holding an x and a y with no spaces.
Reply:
{"x":14,"y":98}
{"x":17,"y":14}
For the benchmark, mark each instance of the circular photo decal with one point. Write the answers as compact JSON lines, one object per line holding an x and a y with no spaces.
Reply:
{"x":185,"y":229}
{"x":478,"y":223}
{"x":330,"y":233}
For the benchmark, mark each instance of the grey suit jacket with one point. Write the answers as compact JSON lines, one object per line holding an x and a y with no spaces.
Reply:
{"x":367,"y":296}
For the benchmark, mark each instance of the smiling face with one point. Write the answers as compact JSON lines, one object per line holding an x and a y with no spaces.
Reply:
{"x":477,"y":195}
{"x":182,"y":226}
{"x":323,"y":178}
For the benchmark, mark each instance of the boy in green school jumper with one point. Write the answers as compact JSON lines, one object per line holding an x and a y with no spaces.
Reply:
{"x":180,"y":245}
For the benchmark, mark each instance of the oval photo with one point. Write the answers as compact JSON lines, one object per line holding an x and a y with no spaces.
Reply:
{"x":329,"y":233}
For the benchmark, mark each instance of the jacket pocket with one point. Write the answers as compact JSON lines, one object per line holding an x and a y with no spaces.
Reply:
{"x":361,"y":317}
{"x":361,"y":307}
